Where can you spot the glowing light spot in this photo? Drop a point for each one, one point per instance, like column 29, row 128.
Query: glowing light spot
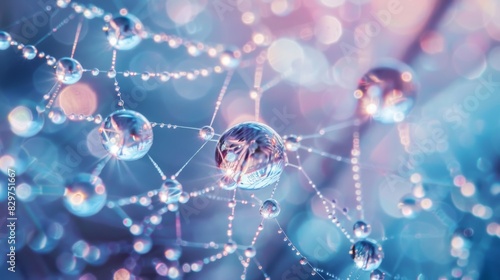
column 418, row 191
column 426, row 203
column 6, row 162
column 121, row 274
column 459, row 180
column 371, row 108
column 258, row 38
column 432, row 43
column 457, row 242
column 280, row 7
column 328, row 30
column 481, row 211
column 248, row 18
column 406, row 76
column 173, row 272
column 468, row 189
column 25, row 121
column 161, row 269
column 78, row 99
column 358, row 94
column 416, row 178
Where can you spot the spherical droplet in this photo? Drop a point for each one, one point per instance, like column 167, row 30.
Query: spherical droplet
column 145, row 76
column 126, row 134
column 250, row 252
column 29, row 52
column 254, row 93
column 230, row 247
column 143, row 244
column 173, row 254
column 85, row 195
column 367, row 254
column 361, row 229
column 377, row 275
column 387, row 94
column 164, row 76
column 5, row 39
column 68, row 70
column 292, row 143
column 95, row 72
column 57, row 116
column 98, row 119
column 251, row 153
column 409, row 206
column 124, row 32
column 207, row 133
column 170, row 191
column 50, row 60
column 230, row 58
column 112, row 73
column 303, row 261
column 184, row 197
column 270, row 209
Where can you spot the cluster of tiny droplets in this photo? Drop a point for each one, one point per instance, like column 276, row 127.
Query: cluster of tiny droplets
column 356, row 152
column 326, row 203
column 148, row 224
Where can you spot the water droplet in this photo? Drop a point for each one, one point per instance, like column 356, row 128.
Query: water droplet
column 292, row 143
column 57, row 116
column 230, row 58
column 170, row 191
column 85, row 195
column 250, row 252
column 252, row 153
column 207, row 133
column 387, row 94
column 126, row 134
column 230, row 247
column 124, row 32
column 270, row 209
column 68, row 70
column 367, row 254
column 143, row 244
column 145, row 76
column 29, row 52
column 184, row 197
column 361, row 229
column 5, row 40
column 164, row 76
column 409, row 206
column 50, row 60
column 462, row 239
column 98, row 119
column 112, row 73
column 173, row 254
column 63, row 3
column 377, row 275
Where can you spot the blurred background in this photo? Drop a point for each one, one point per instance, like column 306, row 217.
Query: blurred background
column 442, row 223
